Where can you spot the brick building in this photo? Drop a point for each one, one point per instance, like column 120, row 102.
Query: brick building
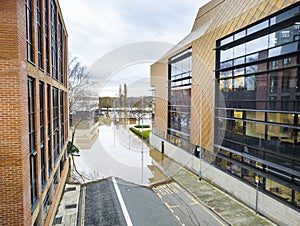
column 33, row 111
column 230, row 93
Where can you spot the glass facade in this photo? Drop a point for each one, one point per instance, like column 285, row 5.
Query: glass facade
column 179, row 105
column 258, row 104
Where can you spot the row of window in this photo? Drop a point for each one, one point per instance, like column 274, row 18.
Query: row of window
column 58, row 133
column 51, row 36
column 257, row 128
column 179, row 117
column 250, row 169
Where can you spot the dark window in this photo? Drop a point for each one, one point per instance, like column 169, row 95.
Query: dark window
column 54, row 39
column 62, row 121
column 60, row 51
column 49, row 130
column 273, row 82
column 286, row 81
column 32, row 142
column 55, row 123
column 39, row 29
column 29, row 33
column 47, row 36
column 42, row 135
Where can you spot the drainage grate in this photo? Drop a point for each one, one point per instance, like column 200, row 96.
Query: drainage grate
column 72, row 206
column 57, row 220
column 71, row 189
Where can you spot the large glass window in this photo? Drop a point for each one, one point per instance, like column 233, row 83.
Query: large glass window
column 32, row 142
column 50, row 147
column 55, row 123
column 29, row 33
column 180, row 98
column 62, row 121
column 42, row 135
column 258, row 82
column 46, row 17
column 39, row 29
column 60, row 51
column 54, row 39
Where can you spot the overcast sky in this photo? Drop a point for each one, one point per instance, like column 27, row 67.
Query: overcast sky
column 96, row 28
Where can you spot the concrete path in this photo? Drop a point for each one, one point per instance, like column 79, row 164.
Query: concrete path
column 229, row 209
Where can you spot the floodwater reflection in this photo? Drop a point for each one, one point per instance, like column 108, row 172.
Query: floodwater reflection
column 118, row 152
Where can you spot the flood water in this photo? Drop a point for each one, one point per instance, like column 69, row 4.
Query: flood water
column 118, row 152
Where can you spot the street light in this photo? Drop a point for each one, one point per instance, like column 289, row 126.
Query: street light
column 256, row 202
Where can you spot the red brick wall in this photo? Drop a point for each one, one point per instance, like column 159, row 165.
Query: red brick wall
column 15, row 201
column 15, row 207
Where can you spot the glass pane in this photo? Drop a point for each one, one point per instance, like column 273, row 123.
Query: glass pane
column 239, row 35
column 239, row 50
column 239, row 71
column 238, row 114
column 292, row 47
column 255, row 130
column 281, row 118
column 257, row 27
column 257, row 44
column 226, row 54
column 226, row 40
column 257, row 116
column 285, row 15
column 239, row 83
column 279, row 190
column 240, row 60
column 250, row 83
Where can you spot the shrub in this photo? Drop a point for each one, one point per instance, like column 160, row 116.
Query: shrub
column 144, row 126
column 144, row 135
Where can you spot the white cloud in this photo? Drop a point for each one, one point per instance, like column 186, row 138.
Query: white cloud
column 97, row 27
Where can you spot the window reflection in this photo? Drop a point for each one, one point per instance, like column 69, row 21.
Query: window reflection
column 259, row 85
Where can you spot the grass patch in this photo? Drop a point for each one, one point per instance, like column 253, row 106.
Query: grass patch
column 144, row 126
column 144, row 135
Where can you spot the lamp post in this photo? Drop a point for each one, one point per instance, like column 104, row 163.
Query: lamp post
column 256, row 200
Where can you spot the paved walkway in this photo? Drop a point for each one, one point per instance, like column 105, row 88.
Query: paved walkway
column 229, row 209
column 68, row 207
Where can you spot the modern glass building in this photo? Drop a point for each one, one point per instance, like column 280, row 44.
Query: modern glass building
column 258, row 104
column 229, row 93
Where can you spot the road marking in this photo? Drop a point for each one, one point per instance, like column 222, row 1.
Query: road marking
column 170, row 207
column 195, row 202
column 122, row 203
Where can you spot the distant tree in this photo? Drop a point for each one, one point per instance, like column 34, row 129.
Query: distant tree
column 79, row 78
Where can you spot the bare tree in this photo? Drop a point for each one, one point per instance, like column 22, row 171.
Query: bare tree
column 79, row 78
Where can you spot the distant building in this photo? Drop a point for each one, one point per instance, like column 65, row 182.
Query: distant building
column 33, row 111
column 230, row 92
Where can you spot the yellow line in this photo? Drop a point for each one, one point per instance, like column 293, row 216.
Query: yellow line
column 170, row 207
column 177, row 185
column 195, row 202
